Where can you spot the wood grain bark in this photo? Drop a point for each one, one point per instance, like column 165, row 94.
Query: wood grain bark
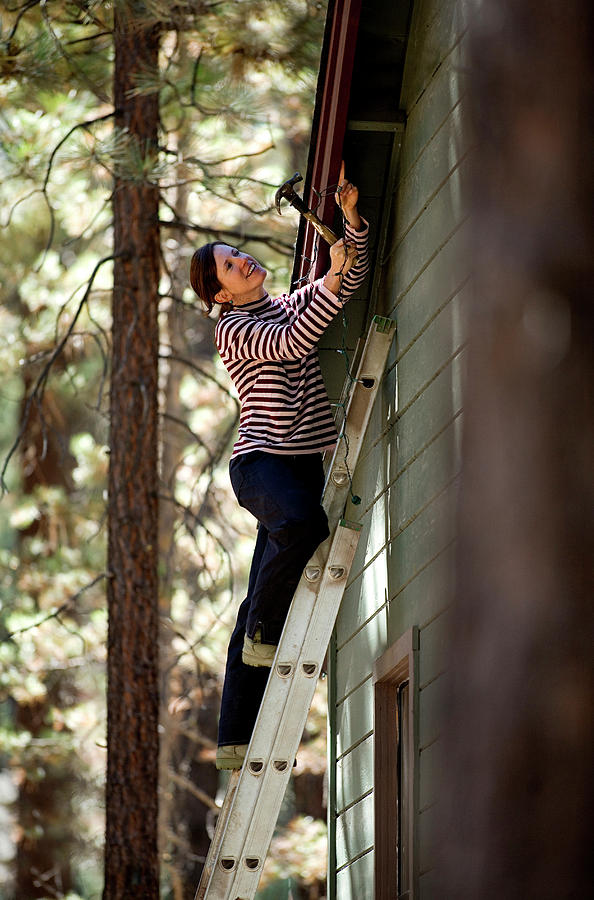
column 131, row 857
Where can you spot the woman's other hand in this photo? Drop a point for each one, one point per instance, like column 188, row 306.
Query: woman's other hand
column 343, row 257
column 347, row 197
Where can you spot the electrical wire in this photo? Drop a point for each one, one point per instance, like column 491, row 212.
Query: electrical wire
column 350, row 378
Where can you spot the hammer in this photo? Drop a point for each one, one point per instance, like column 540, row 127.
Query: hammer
column 287, row 192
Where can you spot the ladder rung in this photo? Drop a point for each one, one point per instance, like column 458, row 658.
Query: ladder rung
column 288, row 702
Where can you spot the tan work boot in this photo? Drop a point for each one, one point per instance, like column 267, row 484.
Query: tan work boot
column 231, row 756
column 255, row 653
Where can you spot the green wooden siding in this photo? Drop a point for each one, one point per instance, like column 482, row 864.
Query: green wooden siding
column 407, row 474
column 362, row 143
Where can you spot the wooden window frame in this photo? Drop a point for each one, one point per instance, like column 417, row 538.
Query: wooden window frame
column 395, row 667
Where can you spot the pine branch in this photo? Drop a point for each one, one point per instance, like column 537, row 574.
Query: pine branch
column 185, row 427
column 194, row 82
column 36, row 394
column 129, row 159
column 223, row 442
column 56, row 613
column 104, row 360
column 168, row 16
column 76, row 70
column 90, row 37
column 16, row 204
column 189, row 517
column 191, row 647
column 44, row 187
column 192, row 735
column 226, row 159
column 205, row 180
column 88, row 15
column 193, row 789
column 242, row 237
column 104, row 367
column 184, row 304
column 35, row 61
column 24, row 8
column 43, row 190
column 175, row 356
column 235, row 200
column 184, row 846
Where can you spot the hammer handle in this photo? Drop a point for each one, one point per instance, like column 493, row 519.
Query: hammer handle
column 319, row 226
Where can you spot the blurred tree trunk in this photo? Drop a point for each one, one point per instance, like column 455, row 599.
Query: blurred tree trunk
column 520, row 735
column 43, row 808
column 131, row 857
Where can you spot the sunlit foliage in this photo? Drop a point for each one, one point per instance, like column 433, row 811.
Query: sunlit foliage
column 236, row 86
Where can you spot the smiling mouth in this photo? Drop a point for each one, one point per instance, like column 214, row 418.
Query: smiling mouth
column 251, row 268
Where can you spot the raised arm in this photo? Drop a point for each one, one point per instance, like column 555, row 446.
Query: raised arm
column 347, row 198
column 241, row 336
column 349, row 261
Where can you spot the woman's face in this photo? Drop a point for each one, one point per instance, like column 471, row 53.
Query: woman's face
column 239, row 275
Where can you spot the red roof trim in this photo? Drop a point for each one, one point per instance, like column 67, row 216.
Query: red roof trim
column 330, row 120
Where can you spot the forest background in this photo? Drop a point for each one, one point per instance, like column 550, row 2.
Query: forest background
column 228, row 89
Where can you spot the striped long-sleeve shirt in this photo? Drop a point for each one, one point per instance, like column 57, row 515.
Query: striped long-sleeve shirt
column 269, row 348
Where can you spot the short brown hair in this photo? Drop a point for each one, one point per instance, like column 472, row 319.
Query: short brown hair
column 203, row 276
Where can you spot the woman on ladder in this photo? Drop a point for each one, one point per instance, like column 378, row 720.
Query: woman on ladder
column 269, row 348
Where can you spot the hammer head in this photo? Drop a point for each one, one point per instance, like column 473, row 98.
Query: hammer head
column 287, row 191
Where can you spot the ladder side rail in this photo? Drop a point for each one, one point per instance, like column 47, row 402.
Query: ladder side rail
column 231, row 816
column 359, row 408
column 358, row 412
column 215, row 844
column 241, row 807
column 242, row 879
column 336, row 491
column 321, row 622
column 245, row 799
column 275, row 698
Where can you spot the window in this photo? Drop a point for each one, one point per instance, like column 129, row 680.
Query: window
column 394, row 775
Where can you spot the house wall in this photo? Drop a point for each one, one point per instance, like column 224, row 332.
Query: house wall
column 407, row 474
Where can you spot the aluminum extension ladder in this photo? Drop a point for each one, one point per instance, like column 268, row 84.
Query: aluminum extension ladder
column 255, row 792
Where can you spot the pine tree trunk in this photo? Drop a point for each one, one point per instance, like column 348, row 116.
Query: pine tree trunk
column 131, row 856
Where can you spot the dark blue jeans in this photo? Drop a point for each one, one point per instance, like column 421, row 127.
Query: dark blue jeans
column 283, row 493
